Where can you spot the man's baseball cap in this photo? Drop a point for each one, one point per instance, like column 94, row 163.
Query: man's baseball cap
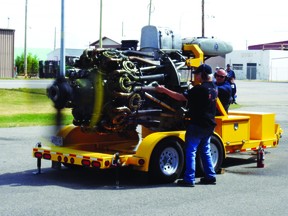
column 203, row 68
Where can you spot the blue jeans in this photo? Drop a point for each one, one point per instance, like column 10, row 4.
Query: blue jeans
column 198, row 137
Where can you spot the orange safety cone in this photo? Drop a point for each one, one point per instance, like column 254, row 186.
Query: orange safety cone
column 260, row 157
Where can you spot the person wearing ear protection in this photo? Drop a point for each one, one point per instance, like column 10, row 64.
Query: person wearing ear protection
column 224, row 88
column 201, row 105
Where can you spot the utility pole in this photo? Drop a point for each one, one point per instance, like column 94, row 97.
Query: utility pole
column 203, row 18
column 100, row 31
column 55, row 38
column 149, row 19
column 25, row 41
column 62, row 48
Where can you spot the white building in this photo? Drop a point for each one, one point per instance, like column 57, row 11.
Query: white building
column 261, row 62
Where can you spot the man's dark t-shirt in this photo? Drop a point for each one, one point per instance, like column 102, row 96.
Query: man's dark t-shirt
column 202, row 105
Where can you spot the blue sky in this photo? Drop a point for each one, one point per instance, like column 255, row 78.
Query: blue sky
column 240, row 22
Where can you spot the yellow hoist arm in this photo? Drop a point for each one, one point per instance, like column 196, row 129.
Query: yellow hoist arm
column 198, row 55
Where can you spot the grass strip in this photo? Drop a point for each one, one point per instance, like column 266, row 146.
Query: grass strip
column 28, row 119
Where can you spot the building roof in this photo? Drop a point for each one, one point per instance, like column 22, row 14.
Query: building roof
column 5, row 30
column 55, row 54
column 281, row 45
column 106, row 43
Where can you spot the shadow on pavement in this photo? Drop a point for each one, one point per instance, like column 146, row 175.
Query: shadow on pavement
column 80, row 179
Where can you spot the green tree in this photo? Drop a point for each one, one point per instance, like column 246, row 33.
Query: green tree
column 32, row 64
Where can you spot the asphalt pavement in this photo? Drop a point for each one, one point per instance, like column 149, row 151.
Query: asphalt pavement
column 243, row 189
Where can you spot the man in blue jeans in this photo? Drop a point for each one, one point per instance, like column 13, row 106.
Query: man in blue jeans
column 201, row 123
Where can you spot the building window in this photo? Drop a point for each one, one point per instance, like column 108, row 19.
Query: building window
column 238, row 67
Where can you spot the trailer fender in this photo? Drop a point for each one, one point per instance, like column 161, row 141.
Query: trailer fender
column 148, row 144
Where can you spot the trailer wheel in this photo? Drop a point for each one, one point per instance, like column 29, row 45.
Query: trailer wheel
column 167, row 161
column 217, row 154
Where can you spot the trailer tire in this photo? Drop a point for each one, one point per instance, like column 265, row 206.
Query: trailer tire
column 217, row 153
column 167, row 161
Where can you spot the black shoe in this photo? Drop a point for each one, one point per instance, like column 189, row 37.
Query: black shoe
column 208, row 180
column 185, row 184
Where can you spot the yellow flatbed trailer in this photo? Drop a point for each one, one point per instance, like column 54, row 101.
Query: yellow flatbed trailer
column 160, row 154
